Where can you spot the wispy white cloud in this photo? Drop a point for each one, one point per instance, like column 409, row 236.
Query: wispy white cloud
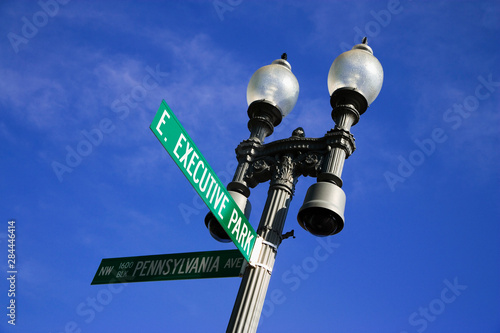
column 32, row 99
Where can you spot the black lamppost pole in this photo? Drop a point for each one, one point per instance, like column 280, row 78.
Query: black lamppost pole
column 354, row 81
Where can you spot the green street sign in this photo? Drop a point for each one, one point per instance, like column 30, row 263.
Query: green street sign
column 167, row 128
column 177, row 266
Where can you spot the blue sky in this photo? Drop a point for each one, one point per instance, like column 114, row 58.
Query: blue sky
column 420, row 251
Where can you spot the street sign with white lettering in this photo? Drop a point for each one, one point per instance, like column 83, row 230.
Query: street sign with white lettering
column 177, row 266
column 188, row 158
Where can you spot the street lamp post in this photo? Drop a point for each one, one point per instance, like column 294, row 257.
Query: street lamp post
column 354, row 81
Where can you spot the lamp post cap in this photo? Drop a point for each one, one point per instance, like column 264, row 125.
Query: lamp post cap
column 363, row 46
column 283, row 62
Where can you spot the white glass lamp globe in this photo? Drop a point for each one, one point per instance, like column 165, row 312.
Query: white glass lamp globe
column 357, row 70
column 276, row 85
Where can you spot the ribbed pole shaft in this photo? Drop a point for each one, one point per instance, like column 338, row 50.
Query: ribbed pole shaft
column 344, row 116
column 251, row 295
column 334, row 163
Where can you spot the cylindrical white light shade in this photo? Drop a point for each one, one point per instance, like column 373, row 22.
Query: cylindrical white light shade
column 275, row 84
column 359, row 70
